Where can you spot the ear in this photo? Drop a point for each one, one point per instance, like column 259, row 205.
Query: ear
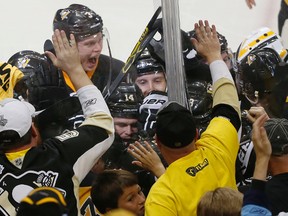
column 34, row 130
column 36, row 134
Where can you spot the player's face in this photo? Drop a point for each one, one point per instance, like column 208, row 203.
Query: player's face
column 89, row 50
column 151, row 82
column 125, row 127
column 132, row 200
column 227, row 59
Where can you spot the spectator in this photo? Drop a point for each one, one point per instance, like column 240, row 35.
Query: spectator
column 197, row 166
column 255, row 202
column 277, row 186
column 221, row 201
column 114, row 189
column 270, row 147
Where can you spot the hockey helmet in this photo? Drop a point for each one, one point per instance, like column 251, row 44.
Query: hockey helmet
column 125, row 101
column 43, row 81
column 200, row 100
column 256, row 73
column 148, row 65
column 222, row 39
column 79, row 20
column 261, row 38
column 26, row 61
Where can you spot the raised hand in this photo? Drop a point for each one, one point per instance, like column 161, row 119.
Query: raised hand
column 147, row 158
column 262, row 147
column 206, row 42
column 67, row 58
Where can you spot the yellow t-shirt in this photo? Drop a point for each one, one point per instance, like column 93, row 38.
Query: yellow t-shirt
column 211, row 165
column 9, row 76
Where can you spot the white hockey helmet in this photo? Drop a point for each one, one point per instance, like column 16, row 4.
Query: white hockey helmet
column 261, row 38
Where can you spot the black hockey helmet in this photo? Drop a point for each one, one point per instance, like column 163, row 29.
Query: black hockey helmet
column 200, row 100
column 44, row 82
column 79, row 20
column 125, row 101
column 147, row 65
column 26, row 61
column 256, row 73
column 222, row 39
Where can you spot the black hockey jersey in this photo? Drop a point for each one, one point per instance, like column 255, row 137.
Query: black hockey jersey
column 61, row 162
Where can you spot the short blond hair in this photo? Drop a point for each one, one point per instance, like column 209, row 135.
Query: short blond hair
column 221, row 201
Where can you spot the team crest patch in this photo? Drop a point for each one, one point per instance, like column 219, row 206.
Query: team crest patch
column 68, row 135
column 195, row 169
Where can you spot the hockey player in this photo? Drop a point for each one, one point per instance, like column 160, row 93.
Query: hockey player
column 262, row 81
column 151, row 79
column 87, row 26
column 61, row 162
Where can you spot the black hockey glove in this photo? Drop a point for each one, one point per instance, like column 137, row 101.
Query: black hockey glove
column 149, row 108
column 46, row 86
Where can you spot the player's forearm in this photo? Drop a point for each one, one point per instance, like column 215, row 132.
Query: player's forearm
column 95, row 108
column 224, row 89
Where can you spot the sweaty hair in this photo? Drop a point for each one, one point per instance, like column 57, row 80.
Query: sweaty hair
column 10, row 139
column 108, row 187
column 221, row 201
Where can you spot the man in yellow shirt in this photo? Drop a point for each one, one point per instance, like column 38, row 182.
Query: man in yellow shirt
column 197, row 166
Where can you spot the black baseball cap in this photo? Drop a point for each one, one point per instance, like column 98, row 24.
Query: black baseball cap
column 175, row 126
column 277, row 131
